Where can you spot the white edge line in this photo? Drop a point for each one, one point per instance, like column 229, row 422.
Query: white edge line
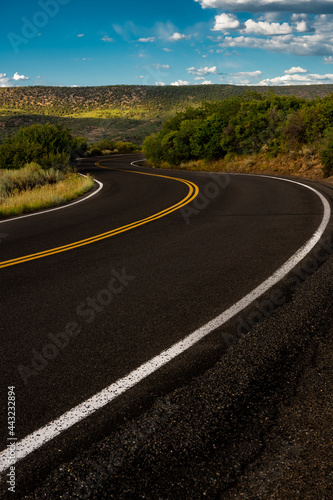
column 57, row 208
column 45, row 434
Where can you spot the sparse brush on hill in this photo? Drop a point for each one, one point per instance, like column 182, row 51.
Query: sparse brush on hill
column 123, row 112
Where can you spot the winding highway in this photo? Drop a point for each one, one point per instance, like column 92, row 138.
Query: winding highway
column 94, row 292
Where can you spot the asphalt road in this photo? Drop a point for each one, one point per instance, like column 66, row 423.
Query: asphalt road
column 167, row 278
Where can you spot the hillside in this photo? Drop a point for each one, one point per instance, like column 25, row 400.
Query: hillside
column 121, row 112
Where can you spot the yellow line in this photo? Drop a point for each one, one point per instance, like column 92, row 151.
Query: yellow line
column 193, row 192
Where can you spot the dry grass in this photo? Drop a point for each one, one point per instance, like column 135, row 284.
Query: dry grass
column 29, row 177
column 46, row 196
column 305, row 164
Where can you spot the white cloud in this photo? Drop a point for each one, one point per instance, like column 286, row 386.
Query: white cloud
column 167, row 50
column 328, row 60
column 242, row 78
column 179, row 36
column 141, row 76
column 207, row 82
column 80, row 35
column 229, row 22
column 247, row 74
column 299, row 79
column 198, row 78
column 302, row 27
column 107, row 39
column 265, row 28
column 160, row 66
column 150, row 39
column 180, row 83
column 225, row 22
column 294, row 70
column 203, row 71
column 295, row 6
column 316, row 44
column 160, row 84
column 17, row 77
column 6, row 81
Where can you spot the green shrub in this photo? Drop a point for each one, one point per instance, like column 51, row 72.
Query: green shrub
column 241, row 125
column 326, row 155
column 48, row 145
column 96, row 152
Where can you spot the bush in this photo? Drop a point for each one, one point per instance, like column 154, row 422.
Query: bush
column 51, row 146
column 96, row 152
column 327, row 154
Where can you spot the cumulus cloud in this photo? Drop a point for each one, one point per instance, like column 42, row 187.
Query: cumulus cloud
column 225, row 22
column 294, row 70
column 299, row 79
column 179, row 36
column 206, row 82
column 203, row 71
column 7, row 81
column 229, row 22
column 306, row 45
column 266, row 28
column 328, row 60
column 16, row 77
column 160, row 84
column 295, row 6
column 180, row 83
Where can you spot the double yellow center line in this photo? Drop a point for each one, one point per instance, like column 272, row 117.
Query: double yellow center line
column 192, row 193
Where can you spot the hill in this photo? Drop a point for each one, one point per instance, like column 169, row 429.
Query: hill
column 120, row 112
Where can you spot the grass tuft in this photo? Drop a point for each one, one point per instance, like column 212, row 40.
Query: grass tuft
column 48, row 195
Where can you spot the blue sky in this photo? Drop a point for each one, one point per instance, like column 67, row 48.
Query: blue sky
column 173, row 42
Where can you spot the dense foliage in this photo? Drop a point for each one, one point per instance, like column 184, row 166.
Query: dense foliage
column 245, row 125
column 108, row 147
column 51, row 146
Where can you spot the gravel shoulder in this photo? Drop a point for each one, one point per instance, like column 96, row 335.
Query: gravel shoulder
column 298, row 450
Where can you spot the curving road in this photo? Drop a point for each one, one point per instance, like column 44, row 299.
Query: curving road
column 91, row 292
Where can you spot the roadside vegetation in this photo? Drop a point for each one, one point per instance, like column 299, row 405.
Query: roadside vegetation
column 108, row 147
column 249, row 126
column 47, row 195
column 37, row 169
